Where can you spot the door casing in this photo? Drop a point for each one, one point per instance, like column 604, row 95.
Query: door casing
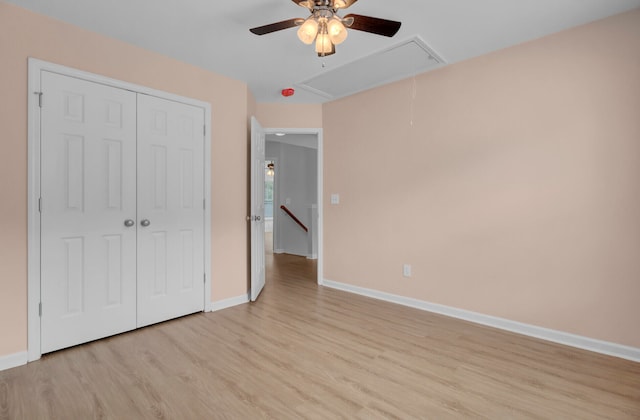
column 33, row 195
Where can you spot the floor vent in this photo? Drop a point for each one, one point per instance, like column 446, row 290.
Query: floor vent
column 400, row 61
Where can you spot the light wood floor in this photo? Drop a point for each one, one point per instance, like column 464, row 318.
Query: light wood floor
column 307, row 352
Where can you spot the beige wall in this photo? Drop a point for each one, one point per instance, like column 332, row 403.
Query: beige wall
column 24, row 34
column 511, row 183
column 289, row 115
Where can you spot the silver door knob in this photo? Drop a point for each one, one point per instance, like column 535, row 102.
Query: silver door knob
column 145, row 222
column 129, row 223
column 258, row 218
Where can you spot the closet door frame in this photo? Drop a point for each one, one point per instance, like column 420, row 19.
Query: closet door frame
column 37, row 66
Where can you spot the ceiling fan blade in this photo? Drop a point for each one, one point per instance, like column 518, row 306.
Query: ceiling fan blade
column 374, row 25
column 305, row 3
column 278, row 26
column 342, row 4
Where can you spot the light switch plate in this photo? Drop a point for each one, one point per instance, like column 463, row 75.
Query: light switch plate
column 406, row 270
column 335, row 198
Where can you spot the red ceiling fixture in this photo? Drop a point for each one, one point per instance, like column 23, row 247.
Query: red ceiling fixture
column 288, row 92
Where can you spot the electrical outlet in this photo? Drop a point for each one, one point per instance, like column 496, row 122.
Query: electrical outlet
column 335, row 198
column 406, row 270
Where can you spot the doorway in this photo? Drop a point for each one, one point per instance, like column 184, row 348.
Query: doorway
column 297, row 228
column 257, row 185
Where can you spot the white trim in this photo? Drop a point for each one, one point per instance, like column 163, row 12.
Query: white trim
column 33, row 217
column 207, row 208
column 228, row 303
column 13, row 360
column 320, row 232
column 581, row 342
column 319, row 133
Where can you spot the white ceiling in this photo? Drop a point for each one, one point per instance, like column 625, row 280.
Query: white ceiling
column 215, row 34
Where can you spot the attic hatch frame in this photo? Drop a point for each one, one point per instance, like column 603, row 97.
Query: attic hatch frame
column 351, row 78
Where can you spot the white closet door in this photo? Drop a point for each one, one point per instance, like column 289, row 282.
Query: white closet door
column 257, row 209
column 88, row 255
column 170, row 209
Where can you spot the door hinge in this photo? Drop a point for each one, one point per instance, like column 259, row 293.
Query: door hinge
column 40, row 205
column 204, row 204
column 205, row 278
column 204, row 130
column 39, row 98
column 40, row 309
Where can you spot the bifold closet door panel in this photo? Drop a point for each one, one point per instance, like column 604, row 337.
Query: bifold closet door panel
column 170, row 209
column 88, row 192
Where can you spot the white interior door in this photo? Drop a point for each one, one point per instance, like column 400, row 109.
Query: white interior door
column 170, row 209
column 88, row 254
column 257, row 208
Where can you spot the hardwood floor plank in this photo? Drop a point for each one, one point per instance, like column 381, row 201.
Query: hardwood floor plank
column 306, row 352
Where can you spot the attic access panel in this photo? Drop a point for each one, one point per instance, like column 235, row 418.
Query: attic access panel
column 400, row 61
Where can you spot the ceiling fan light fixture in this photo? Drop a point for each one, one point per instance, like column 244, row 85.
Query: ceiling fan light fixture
column 324, row 46
column 326, row 27
column 308, row 30
column 337, row 31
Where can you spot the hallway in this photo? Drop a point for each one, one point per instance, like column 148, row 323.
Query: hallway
column 282, row 266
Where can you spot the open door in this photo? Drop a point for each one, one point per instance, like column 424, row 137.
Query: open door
column 257, row 208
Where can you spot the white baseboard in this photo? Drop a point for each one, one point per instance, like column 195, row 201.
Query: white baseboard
column 585, row 343
column 278, row 251
column 312, row 256
column 228, row 303
column 13, row 360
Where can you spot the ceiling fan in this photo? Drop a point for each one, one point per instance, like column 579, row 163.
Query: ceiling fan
column 326, row 28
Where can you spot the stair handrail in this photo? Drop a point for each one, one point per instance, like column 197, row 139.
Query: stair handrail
column 293, row 216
